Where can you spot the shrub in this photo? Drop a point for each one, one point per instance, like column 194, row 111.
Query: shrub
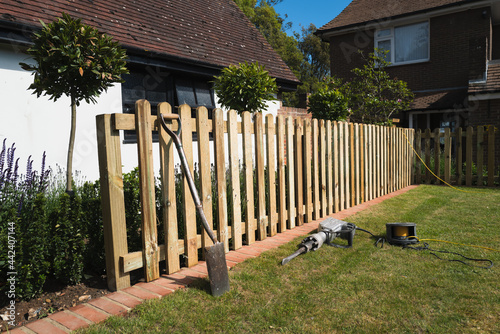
column 246, row 87
column 329, row 102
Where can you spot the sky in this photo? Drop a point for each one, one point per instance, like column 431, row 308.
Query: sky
column 304, row 12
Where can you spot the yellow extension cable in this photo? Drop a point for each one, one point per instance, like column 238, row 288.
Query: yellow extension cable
column 437, row 177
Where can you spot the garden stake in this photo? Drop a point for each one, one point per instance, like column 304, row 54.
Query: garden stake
column 215, row 255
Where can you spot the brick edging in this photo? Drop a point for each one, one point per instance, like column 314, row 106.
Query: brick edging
column 120, row 302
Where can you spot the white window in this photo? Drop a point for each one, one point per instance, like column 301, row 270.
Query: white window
column 405, row 44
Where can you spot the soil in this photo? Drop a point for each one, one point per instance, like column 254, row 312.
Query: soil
column 56, row 298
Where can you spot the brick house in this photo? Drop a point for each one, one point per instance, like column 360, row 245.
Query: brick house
column 448, row 51
column 174, row 47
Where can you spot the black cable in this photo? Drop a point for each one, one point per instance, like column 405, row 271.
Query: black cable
column 426, row 247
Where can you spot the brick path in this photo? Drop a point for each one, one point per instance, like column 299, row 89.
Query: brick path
column 120, row 302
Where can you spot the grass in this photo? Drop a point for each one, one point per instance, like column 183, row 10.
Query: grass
column 359, row 290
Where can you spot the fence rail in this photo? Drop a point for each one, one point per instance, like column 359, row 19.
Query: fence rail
column 460, row 157
column 304, row 170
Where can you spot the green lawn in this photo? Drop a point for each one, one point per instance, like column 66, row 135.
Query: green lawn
column 359, row 290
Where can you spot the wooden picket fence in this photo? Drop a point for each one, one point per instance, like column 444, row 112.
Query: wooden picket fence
column 458, row 158
column 314, row 168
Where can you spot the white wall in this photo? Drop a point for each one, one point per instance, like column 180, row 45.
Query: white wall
column 36, row 124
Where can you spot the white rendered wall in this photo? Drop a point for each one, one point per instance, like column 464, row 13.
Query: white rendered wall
column 36, row 124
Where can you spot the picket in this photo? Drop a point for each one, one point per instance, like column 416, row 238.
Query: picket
column 234, row 169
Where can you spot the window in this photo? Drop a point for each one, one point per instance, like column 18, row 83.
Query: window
column 405, row 44
column 158, row 85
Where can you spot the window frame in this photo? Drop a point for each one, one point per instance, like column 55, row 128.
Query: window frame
column 391, row 37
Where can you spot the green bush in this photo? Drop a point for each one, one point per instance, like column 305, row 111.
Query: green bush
column 329, row 102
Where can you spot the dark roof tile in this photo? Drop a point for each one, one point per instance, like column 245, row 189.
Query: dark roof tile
column 364, row 11
column 492, row 84
column 203, row 31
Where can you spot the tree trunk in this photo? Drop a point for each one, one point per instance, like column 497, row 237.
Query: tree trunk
column 69, row 163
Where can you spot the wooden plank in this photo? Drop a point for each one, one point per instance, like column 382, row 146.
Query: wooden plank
column 341, row 167
column 379, row 161
column 447, row 155
column 188, row 209
column 491, row 155
column 147, row 190
column 271, row 173
column 168, row 201
column 384, row 153
column 418, row 163
column 357, row 180
column 234, row 168
column 352, row 156
column 459, row 140
column 307, row 169
column 329, row 168
column 112, row 201
column 220, row 174
column 480, row 154
column 427, row 155
column 203, row 133
column 370, row 161
column 315, row 170
column 362, row 146
column 322, row 167
column 299, row 175
column 290, row 178
column 437, row 155
column 248, row 165
column 347, row 164
column 282, row 212
column 468, row 156
column 335, row 163
column 261, row 188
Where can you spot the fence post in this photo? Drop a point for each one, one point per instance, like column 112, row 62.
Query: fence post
column 447, row 155
column 322, row 167
column 329, row 167
column 147, row 190
column 112, row 201
column 315, row 170
column 459, row 135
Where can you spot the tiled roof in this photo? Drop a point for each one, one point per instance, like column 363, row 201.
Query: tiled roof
column 207, row 32
column 364, row 11
column 492, row 84
column 439, row 100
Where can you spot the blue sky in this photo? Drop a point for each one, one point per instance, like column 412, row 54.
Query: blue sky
column 305, row 12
